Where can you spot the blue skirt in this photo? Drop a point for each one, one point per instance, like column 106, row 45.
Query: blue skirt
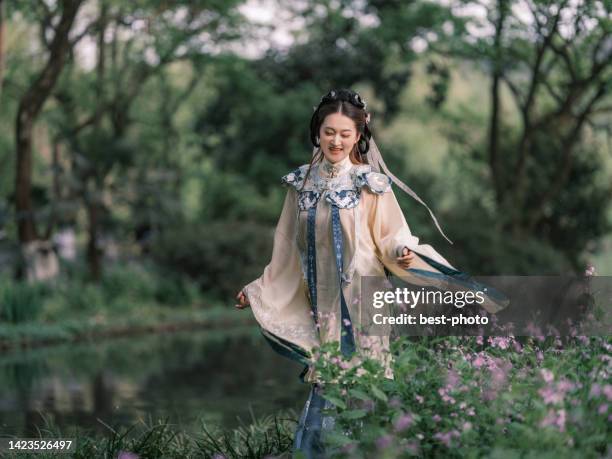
column 312, row 425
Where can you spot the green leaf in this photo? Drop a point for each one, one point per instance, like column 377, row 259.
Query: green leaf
column 359, row 394
column 354, row 414
column 336, row 401
column 379, row 393
column 337, row 439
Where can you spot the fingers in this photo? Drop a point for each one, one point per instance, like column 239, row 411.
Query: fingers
column 243, row 301
column 406, row 259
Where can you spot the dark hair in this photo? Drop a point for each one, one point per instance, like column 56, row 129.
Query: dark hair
column 349, row 103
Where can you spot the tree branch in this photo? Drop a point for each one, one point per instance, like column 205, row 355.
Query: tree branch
column 565, row 162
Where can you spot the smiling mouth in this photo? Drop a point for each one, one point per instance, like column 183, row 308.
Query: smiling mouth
column 336, row 149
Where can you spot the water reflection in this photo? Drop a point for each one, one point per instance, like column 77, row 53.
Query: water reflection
column 184, row 377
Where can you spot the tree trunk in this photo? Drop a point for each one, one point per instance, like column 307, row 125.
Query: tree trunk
column 94, row 253
column 1, row 45
column 30, row 105
column 496, row 175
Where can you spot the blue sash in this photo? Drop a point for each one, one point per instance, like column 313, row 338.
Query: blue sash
column 347, row 339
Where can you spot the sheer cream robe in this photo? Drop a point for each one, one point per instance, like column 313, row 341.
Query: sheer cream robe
column 280, row 298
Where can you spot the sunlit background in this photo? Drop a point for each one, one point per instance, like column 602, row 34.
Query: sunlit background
column 142, row 145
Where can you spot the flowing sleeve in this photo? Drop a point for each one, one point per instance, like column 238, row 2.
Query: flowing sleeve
column 391, row 234
column 279, row 297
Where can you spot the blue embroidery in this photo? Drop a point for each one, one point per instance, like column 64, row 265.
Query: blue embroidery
column 343, row 192
column 308, row 199
column 347, row 339
column 295, row 178
column 312, row 261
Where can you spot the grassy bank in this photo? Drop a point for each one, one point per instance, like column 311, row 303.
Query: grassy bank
column 144, row 319
column 266, row 437
column 130, row 299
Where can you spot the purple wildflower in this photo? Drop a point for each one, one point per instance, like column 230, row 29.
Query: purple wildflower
column 384, row 442
column 607, row 390
column 404, row 422
column 127, row 455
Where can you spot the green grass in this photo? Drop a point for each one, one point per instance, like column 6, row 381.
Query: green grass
column 129, row 299
column 267, row 437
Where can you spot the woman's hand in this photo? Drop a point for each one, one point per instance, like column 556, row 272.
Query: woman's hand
column 243, row 301
column 406, row 259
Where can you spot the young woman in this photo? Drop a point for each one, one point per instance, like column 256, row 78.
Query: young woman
column 340, row 221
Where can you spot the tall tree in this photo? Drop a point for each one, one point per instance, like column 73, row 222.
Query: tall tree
column 1, row 45
column 98, row 131
column 30, row 105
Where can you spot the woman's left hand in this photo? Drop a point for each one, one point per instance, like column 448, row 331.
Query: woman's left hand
column 406, row 259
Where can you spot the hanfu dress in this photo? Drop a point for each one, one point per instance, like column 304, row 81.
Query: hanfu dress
column 340, row 222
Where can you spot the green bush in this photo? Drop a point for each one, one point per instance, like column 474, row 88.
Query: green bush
column 174, row 289
column 128, row 281
column 472, row 397
column 221, row 256
column 20, row 301
column 80, row 297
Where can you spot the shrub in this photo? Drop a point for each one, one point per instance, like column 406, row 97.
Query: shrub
column 472, row 397
column 221, row 256
column 20, row 301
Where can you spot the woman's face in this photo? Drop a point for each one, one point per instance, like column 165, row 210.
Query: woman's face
column 338, row 135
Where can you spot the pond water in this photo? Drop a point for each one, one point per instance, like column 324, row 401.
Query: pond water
column 221, row 377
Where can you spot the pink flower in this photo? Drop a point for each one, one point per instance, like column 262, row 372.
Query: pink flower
column 403, row 422
column 436, row 418
column 501, row 342
column 445, row 397
column 467, row 425
column 555, row 419
column 556, row 392
column 452, row 378
column 419, row 398
column 603, row 408
column 128, row 455
column 478, row 361
column 607, row 390
column 446, row 437
column 547, row 375
column 550, row 396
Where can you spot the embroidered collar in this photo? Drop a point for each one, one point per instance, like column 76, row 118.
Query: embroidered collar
column 343, row 191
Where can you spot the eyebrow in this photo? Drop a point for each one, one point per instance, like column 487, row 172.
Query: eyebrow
column 343, row 130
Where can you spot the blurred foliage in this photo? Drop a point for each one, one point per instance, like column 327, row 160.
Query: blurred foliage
column 179, row 142
column 221, row 256
column 21, row 302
